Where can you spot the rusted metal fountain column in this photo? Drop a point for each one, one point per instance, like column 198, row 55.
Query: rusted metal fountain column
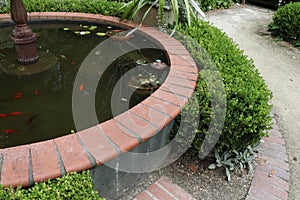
column 22, row 36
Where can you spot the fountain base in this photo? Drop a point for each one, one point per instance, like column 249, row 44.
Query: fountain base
column 46, row 61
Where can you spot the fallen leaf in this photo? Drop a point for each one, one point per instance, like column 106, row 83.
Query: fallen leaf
column 193, row 168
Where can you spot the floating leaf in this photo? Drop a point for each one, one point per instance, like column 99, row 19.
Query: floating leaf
column 87, row 32
column 85, row 26
column 141, row 62
column 92, row 28
column 100, row 34
column 77, row 32
column 66, row 29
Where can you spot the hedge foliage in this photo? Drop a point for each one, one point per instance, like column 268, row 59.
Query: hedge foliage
column 71, row 186
column 286, row 23
column 248, row 109
column 207, row 5
column 88, row 6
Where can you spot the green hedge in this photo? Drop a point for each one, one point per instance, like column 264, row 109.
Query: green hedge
column 71, row 186
column 286, row 23
column 88, row 6
column 207, row 5
column 248, row 109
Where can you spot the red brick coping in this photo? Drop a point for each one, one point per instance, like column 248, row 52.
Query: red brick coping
column 24, row 165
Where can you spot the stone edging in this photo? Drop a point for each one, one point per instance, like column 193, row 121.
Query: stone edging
column 271, row 176
column 24, row 165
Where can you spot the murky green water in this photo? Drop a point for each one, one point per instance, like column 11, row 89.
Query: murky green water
column 39, row 107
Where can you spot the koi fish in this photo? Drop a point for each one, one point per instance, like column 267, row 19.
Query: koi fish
column 17, row 96
column 3, row 115
column 10, row 131
column 14, row 113
column 36, row 92
column 81, row 87
column 30, row 120
column 72, row 62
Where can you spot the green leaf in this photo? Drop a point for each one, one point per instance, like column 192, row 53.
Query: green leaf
column 212, row 166
column 228, row 174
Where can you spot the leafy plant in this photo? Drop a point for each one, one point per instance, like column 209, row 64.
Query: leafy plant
column 95, row 6
column 71, row 186
column 3, row 4
column 286, row 23
column 207, row 5
column 235, row 161
column 190, row 9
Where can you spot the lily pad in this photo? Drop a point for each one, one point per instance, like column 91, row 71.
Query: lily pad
column 141, row 62
column 100, row 34
column 77, row 32
column 66, row 29
column 92, row 28
column 85, row 26
column 87, row 32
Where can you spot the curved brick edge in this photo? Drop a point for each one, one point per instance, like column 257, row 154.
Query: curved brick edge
column 271, row 175
column 24, row 165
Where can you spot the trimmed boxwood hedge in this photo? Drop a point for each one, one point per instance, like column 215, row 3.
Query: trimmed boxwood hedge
column 207, row 5
column 71, row 186
column 87, row 6
column 248, row 108
column 286, row 23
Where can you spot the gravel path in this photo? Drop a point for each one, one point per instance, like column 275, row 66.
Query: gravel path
column 279, row 64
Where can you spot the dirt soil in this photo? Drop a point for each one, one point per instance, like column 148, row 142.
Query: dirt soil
column 279, row 64
column 194, row 177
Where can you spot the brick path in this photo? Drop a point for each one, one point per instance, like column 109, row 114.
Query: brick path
column 164, row 189
column 271, row 175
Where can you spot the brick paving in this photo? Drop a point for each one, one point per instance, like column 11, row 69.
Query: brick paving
column 271, row 175
column 164, row 189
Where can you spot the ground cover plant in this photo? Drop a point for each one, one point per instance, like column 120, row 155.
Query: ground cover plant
column 286, row 23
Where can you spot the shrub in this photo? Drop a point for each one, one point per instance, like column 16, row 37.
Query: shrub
column 248, row 109
column 207, row 5
column 71, row 186
column 95, row 6
column 286, row 23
